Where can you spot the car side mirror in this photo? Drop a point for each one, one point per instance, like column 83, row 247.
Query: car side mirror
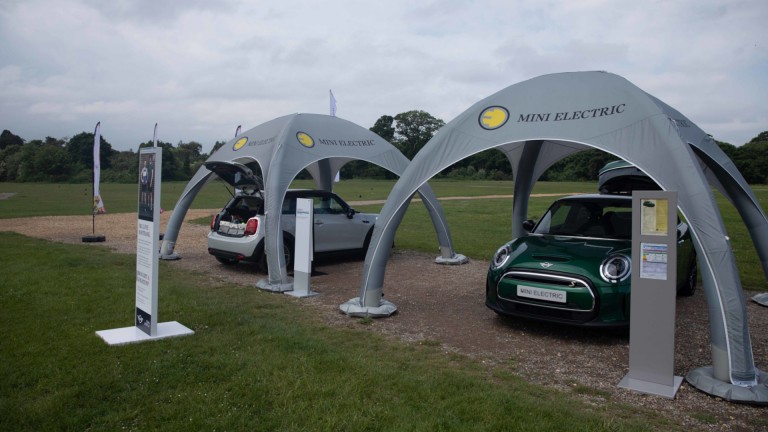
column 351, row 213
column 528, row 225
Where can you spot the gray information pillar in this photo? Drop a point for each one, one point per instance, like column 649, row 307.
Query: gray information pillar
column 652, row 310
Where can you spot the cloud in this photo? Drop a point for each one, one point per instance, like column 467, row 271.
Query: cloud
column 201, row 67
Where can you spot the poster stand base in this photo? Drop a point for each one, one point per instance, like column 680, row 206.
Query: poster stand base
column 301, row 294
column 94, row 238
column 129, row 335
column 301, row 287
column 648, row 387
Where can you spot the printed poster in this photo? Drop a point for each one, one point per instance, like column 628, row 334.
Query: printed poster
column 653, row 261
column 653, row 217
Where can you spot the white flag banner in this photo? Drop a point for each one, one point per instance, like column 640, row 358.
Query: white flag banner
column 98, row 204
column 333, row 104
column 237, row 131
column 154, row 137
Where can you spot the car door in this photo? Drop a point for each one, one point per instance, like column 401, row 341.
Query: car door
column 334, row 230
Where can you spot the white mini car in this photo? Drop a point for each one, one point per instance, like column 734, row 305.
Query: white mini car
column 237, row 232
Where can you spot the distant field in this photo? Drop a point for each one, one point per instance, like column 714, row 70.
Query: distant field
column 43, row 199
column 478, row 226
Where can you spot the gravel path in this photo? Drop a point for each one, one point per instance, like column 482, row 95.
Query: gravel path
column 444, row 305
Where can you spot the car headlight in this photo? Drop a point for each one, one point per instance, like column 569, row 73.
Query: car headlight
column 615, row 268
column 500, row 257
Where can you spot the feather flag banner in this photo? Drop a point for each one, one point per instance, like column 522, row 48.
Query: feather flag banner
column 333, row 104
column 98, row 204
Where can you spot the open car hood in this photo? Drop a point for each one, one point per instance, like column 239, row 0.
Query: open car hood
column 621, row 177
column 236, row 174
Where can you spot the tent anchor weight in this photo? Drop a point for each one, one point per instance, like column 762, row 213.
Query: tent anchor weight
column 355, row 308
column 95, row 238
column 703, row 379
column 266, row 285
column 456, row 259
column 761, row 299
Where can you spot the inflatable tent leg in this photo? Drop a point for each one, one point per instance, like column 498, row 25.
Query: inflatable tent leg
column 370, row 302
column 177, row 217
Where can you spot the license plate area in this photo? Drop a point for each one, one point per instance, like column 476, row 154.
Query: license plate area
column 542, row 294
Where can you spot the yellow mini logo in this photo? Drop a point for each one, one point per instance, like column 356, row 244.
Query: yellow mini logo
column 305, row 140
column 240, row 143
column 493, row 117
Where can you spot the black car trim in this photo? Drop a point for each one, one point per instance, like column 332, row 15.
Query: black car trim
column 257, row 253
column 547, row 278
column 589, row 322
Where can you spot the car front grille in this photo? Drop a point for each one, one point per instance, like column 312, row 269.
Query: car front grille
column 562, row 311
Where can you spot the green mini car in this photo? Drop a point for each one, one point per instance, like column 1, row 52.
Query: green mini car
column 574, row 266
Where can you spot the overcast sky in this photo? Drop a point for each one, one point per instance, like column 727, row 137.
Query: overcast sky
column 199, row 68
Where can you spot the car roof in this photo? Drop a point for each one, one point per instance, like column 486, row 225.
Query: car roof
column 596, row 197
column 308, row 192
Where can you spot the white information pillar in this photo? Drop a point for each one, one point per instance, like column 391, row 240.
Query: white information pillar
column 147, row 240
column 654, row 289
column 146, row 326
column 303, row 251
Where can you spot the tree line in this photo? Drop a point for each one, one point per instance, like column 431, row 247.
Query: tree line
column 71, row 160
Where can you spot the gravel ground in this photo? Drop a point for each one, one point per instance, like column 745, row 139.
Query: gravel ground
column 444, row 305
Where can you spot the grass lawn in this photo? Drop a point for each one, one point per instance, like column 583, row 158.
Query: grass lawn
column 257, row 362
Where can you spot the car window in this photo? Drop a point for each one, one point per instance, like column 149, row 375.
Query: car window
column 327, row 205
column 289, row 205
column 322, row 204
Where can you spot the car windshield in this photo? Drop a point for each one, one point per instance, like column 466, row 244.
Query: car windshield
column 603, row 218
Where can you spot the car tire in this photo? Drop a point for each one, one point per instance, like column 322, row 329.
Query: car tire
column 689, row 287
column 261, row 264
column 226, row 261
column 367, row 241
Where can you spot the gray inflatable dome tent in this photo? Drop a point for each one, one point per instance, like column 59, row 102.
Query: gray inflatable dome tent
column 283, row 147
column 538, row 122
